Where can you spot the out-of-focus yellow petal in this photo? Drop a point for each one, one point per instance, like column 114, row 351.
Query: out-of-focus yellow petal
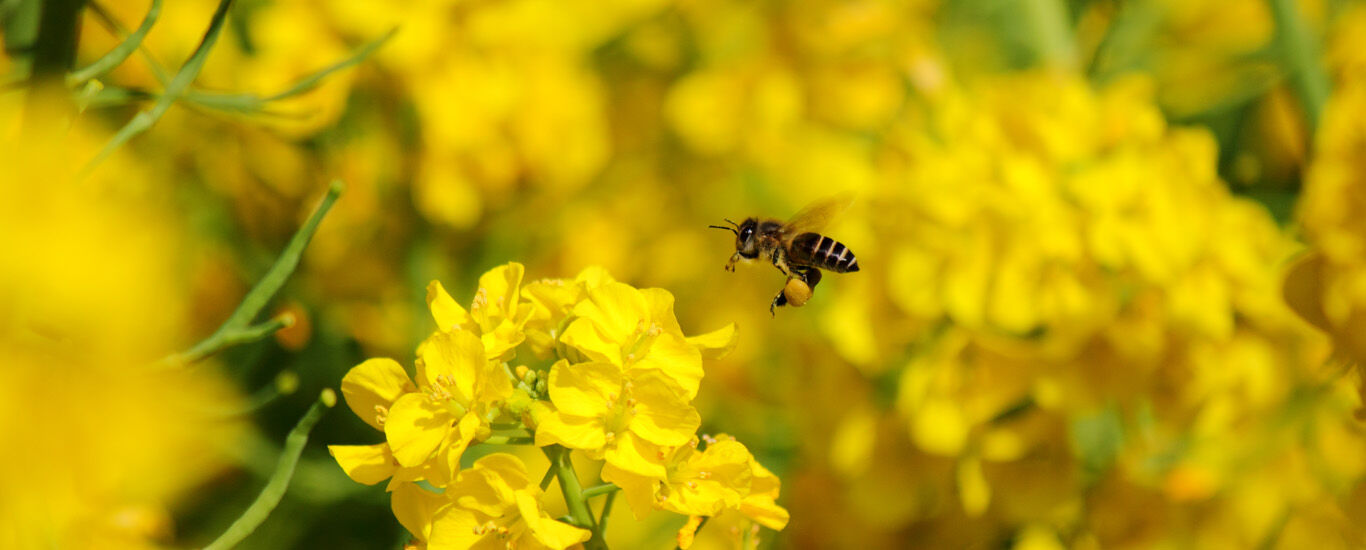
column 575, row 432
column 973, row 490
column 415, row 427
column 452, row 361
column 717, row 343
column 445, row 310
column 372, row 385
column 365, row 464
column 583, row 389
column 1303, row 290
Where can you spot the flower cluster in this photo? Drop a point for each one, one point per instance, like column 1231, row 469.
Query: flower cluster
column 620, row 390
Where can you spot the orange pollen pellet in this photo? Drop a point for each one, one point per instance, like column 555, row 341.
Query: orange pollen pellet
column 660, row 455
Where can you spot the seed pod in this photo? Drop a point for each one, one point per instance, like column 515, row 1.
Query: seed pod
column 796, row 292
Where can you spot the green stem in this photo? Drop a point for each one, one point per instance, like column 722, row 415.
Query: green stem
column 606, row 512
column 508, row 440
column 279, row 481
column 573, row 494
column 1050, row 32
column 549, row 476
column 54, row 49
column 238, row 328
column 116, row 56
column 1304, row 58
column 599, row 490
column 174, row 89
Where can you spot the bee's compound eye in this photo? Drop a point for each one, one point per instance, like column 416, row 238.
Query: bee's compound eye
column 746, row 232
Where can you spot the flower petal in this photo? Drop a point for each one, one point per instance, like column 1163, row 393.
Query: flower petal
column 375, row 383
column 583, row 334
column 660, row 302
column 662, row 416
column 453, row 528
column 447, row 313
column 616, row 308
column 458, row 355
column 509, row 469
column 500, row 289
column 674, row 357
column 575, row 432
column 688, row 532
column 551, row 533
column 1303, row 290
column 365, row 464
column 414, row 507
column 583, row 389
column 457, row 440
column 639, row 490
column 635, row 455
column 717, row 343
column 415, row 428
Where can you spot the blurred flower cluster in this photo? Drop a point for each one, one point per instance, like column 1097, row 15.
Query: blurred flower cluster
column 619, row 390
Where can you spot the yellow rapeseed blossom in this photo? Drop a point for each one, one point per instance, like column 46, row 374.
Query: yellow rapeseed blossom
column 616, row 392
column 497, row 312
column 427, row 425
column 623, row 418
column 492, row 504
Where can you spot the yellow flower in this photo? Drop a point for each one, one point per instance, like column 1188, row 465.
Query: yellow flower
column 622, row 418
column 637, row 331
column 552, row 303
column 494, row 505
column 497, row 313
column 427, row 426
column 694, row 483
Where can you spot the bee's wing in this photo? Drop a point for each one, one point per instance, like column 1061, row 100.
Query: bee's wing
column 817, row 214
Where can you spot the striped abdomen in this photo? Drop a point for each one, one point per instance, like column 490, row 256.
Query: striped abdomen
column 824, row 252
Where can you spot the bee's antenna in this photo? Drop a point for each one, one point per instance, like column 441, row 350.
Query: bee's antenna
column 737, row 226
column 731, row 229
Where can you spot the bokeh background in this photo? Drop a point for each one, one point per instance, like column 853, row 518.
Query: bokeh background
column 1073, row 328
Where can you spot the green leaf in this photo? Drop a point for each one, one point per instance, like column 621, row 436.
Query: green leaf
column 248, row 103
column 116, row 56
column 178, row 85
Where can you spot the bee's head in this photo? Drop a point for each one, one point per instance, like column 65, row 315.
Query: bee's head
column 745, row 242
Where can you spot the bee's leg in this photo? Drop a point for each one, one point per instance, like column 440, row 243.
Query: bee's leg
column 730, row 266
column 780, row 261
column 812, row 276
column 778, row 301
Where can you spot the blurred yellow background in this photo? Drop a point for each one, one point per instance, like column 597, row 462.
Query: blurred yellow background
column 1073, row 325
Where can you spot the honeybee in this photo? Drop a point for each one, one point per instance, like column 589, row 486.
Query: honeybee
column 795, row 248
